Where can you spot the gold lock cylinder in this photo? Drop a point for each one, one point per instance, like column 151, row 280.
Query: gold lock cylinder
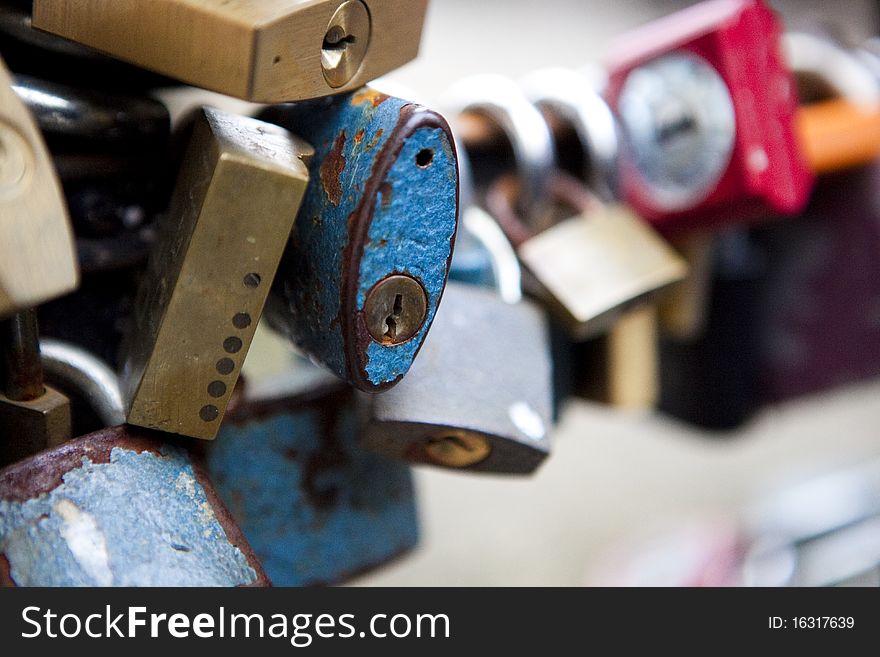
column 239, row 189
column 260, row 50
column 37, row 255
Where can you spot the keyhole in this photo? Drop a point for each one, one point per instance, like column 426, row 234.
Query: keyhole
column 391, row 320
column 337, row 39
column 458, row 443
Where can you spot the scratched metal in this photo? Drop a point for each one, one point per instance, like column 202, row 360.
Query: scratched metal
column 118, row 516
column 315, row 507
column 383, row 199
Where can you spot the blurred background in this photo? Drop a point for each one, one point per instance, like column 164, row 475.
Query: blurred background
column 638, row 498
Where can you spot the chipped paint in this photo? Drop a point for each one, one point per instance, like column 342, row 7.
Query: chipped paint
column 393, row 216
column 140, row 519
column 315, row 507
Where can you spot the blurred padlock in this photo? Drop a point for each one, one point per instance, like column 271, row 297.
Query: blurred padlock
column 364, row 271
column 266, row 51
column 781, row 311
column 121, row 507
column 316, row 507
column 587, row 267
column 240, row 186
column 707, row 108
column 38, row 261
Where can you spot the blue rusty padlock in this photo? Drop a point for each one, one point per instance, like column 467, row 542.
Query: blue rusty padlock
column 370, row 251
column 316, row 508
column 120, row 507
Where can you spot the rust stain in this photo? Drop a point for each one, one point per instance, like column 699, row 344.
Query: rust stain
column 375, row 140
column 385, row 191
column 367, row 95
column 331, row 170
column 359, row 136
column 6, row 580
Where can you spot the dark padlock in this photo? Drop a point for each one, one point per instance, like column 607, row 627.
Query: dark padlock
column 817, row 311
column 316, row 507
column 363, row 273
column 480, row 396
column 120, row 507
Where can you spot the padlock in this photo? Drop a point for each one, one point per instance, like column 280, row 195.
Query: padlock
column 266, row 51
column 479, row 397
column 38, row 262
column 707, row 109
column 364, row 271
column 33, row 416
column 787, row 311
column 120, row 507
column 817, row 326
column 209, row 275
column 316, row 507
column 585, row 268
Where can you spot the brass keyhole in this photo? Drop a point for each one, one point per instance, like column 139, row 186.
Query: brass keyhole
column 458, row 450
column 345, row 43
column 393, row 318
column 337, row 39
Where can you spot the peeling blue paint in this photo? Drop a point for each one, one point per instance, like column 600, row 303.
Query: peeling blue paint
column 140, row 520
column 314, row 506
column 414, row 212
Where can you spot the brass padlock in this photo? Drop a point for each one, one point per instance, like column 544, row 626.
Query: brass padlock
column 590, row 267
column 238, row 193
column 261, row 50
column 37, row 255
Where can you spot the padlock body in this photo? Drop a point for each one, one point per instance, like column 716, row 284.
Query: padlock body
column 483, row 378
column 382, row 202
column 707, row 109
column 592, row 266
column 202, row 296
column 316, row 507
column 120, row 507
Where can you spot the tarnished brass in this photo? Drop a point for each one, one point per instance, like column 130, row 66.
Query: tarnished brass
column 396, row 309
column 239, row 189
column 27, row 427
column 683, row 309
column 260, row 50
column 345, row 43
column 594, row 264
column 458, row 449
column 37, row 255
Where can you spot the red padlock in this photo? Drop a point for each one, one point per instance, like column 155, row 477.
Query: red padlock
column 707, row 109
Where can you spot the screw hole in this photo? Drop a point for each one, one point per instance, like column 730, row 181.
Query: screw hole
column 232, row 345
column 241, row 320
column 277, row 59
column 225, row 366
column 209, row 413
column 424, row 158
column 252, row 280
column 216, row 389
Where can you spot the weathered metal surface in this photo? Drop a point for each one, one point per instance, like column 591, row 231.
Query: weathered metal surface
column 483, row 378
column 382, row 200
column 316, row 508
column 118, row 508
column 202, row 296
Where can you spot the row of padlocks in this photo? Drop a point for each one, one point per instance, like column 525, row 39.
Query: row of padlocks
column 667, row 235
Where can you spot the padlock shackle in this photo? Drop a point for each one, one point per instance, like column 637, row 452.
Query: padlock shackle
column 502, row 103
column 78, row 371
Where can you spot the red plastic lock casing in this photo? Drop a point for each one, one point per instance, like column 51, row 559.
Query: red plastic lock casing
column 767, row 173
